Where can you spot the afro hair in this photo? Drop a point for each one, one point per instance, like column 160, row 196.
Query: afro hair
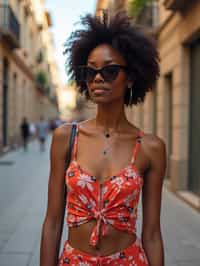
column 136, row 47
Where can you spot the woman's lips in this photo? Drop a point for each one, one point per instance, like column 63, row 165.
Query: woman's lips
column 100, row 91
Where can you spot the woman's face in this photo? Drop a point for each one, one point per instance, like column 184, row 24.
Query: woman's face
column 101, row 89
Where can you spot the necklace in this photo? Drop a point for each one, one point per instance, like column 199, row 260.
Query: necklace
column 108, row 139
column 108, row 143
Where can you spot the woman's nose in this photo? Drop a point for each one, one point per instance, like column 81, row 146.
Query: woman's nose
column 98, row 78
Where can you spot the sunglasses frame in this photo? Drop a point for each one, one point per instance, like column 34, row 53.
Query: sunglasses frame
column 99, row 70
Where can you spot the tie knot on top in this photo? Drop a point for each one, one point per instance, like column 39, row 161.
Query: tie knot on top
column 98, row 215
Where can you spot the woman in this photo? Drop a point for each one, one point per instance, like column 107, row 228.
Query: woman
column 114, row 64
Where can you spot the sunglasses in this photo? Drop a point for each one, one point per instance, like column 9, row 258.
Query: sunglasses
column 109, row 73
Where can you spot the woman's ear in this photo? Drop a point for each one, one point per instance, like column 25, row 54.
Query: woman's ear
column 130, row 81
column 130, row 84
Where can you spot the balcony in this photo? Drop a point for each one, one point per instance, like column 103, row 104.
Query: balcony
column 177, row 5
column 9, row 27
column 42, row 83
column 148, row 16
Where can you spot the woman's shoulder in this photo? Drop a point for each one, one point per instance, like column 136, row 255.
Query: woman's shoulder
column 153, row 145
column 152, row 141
column 63, row 130
column 61, row 134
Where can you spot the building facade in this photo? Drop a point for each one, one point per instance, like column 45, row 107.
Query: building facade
column 172, row 110
column 28, row 70
column 178, row 105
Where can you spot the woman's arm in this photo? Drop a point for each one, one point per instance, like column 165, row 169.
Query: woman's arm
column 151, row 200
column 52, row 226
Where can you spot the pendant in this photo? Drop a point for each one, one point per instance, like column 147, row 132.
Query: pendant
column 107, row 135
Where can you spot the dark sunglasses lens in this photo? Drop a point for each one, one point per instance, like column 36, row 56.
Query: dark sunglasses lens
column 86, row 74
column 110, row 72
column 90, row 74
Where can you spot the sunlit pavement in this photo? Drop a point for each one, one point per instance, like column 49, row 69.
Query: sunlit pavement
column 23, row 195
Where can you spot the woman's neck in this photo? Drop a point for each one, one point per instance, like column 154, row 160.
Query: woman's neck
column 110, row 117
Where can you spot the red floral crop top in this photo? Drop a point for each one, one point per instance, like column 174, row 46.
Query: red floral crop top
column 114, row 202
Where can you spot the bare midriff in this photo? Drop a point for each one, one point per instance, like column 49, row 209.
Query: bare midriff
column 114, row 241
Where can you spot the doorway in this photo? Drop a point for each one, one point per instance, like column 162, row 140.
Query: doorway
column 5, row 102
column 194, row 129
column 168, row 119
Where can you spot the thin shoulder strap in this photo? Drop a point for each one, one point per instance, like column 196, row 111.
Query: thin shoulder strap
column 69, row 155
column 75, row 142
column 137, row 146
column 71, row 143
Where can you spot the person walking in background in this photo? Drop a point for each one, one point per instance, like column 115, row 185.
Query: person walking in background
column 54, row 123
column 25, row 133
column 42, row 130
column 32, row 129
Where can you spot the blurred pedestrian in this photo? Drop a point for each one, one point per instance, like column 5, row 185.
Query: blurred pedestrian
column 58, row 122
column 25, row 133
column 42, row 130
column 32, row 129
column 52, row 125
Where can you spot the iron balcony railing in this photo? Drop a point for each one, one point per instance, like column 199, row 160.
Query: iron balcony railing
column 9, row 24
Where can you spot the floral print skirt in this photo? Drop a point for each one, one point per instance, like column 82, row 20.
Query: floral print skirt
column 133, row 255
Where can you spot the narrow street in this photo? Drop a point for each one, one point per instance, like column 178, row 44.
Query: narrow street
column 23, row 195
